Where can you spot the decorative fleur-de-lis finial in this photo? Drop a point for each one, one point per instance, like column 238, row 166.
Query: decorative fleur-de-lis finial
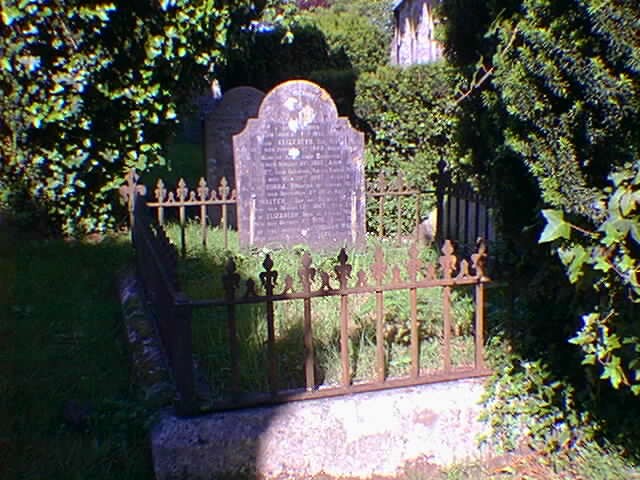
column 479, row 258
column 223, row 189
column 230, row 279
column 448, row 259
column 131, row 186
column 182, row 191
column 250, row 288
column 361, row 281
column 268, row 263
column 396, row 274
column 379, row 267
column 399, row 184
column 430, row 273
column 307, row 273
column 343, row 269
column 464, row 270
column 414, row 264
column 203, row 189
column 160, row 192
column 325, row 281
column 269, row 277
column 288, row 285
column 129, row 191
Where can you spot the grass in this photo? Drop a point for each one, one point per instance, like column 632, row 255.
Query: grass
column 202, row 267
column 201, row 274
column 62, row 354
column 60, row 341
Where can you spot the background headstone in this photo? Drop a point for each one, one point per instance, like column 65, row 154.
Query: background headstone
column 299, row 172
column 224, row 119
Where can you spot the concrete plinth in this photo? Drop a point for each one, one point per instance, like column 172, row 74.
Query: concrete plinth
column 359, row 436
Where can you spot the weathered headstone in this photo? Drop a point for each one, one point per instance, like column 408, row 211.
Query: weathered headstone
column 299, row 172
column 222, row 122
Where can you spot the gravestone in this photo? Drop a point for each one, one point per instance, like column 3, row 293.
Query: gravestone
column 299, row 172
column 224, row 119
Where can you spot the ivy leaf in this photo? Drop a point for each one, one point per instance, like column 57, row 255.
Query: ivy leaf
column 613, row 371
column 635, row 232
column 627, row 203
column 580, row 256
column 556, row 226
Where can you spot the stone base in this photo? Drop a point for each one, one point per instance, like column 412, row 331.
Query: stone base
column 359, row 436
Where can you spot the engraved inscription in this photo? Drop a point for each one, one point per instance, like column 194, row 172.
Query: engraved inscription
column 304, row 166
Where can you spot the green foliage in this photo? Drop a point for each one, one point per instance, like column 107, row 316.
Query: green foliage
column 524, row 405
column 567, row 74
column 268, row 58
column 570, row 82
column 61, row 344
column 606, row 262
column 556, row 226
column 89, row 91
column 379, row 13
column 557, row 88
column 411, row 117
column 358, row 30
column 340, row 83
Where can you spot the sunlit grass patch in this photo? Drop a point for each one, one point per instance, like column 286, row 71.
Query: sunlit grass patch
column 201, row 271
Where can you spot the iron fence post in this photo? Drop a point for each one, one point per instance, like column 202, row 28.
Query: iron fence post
column 186, row 401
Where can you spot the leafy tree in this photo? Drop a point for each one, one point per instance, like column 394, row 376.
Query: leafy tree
column 556, row 88
column 571, row 87
column 411, row 118
column 360, row 30
column 88, row 91
column 267, row 58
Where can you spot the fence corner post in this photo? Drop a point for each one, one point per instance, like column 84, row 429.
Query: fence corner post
column 186, row 402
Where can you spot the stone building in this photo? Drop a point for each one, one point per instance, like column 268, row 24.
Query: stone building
column 414, row 32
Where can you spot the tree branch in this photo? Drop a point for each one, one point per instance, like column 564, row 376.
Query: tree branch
column 475, row 84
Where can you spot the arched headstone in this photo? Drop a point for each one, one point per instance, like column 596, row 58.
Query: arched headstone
column 224, row 119
column 299, row 172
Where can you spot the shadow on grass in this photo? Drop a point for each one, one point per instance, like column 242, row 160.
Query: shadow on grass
column 67, row 409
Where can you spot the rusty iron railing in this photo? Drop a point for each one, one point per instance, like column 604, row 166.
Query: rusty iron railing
column 157, row 266
column 344, row 283
column 463, row 215
column 156, row 261
column 383, row 190
column 181, row 199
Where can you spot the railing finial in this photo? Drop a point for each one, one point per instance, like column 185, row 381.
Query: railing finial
column 479, row 258
column 129, row 190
